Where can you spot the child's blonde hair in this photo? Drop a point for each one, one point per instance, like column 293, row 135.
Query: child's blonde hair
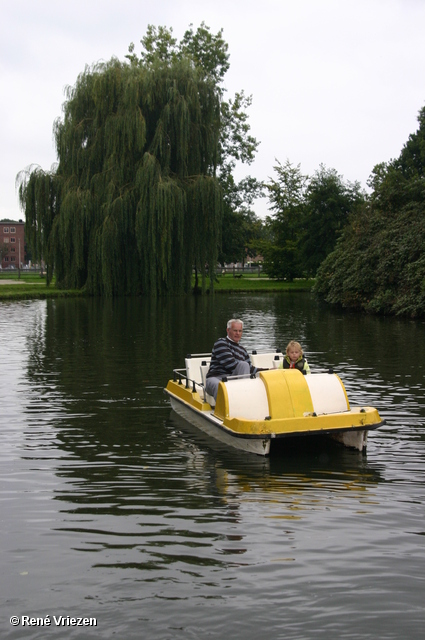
column 294, row 345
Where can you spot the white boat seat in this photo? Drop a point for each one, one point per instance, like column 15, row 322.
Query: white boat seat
column 247, row 398
column 205, row 365
column 266, row 360
column 327, row 393
column 193, row 366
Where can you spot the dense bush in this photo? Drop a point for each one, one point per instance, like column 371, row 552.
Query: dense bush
column 378, row 264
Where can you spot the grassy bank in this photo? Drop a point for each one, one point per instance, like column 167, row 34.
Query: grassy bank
column 32, row 286
column 227, row 283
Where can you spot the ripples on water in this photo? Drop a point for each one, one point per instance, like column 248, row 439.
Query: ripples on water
column 113, row 507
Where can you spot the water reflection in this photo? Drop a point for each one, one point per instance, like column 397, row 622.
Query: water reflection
column 113, row 506
column 96, row 369
column 299, row 467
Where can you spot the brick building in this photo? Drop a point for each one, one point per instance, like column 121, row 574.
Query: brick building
column 12, row 244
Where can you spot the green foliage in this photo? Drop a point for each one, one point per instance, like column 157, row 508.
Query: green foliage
column 253, row 283
column 308, row 216
column 358, row 258
column 286, row 195
column 242, row 229
column 412, row 158
column 242, row 236
column 209, row 53
column 328, row 203
column 240, row 225
column 39, row 198
column 158, row 43
column 144, row 150
column 379, row 264
column 137, row 150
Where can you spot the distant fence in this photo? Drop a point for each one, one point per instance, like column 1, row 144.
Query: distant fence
column 239, row 271
column 12, row 272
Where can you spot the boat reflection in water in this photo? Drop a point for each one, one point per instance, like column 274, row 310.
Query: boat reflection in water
column 308, row 473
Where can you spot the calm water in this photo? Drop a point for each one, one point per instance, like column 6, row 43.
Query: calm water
column 114, row 509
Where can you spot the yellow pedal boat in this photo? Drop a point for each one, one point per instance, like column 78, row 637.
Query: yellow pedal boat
column 254, row 413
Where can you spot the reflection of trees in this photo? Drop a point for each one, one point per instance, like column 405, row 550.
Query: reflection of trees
column 136, row 488
column 96, row 371
column 98, row 367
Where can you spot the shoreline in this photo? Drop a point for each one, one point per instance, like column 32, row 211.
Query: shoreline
column 27, row 289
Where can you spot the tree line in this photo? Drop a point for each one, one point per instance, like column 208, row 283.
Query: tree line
column 144, row 192
column 378, row 264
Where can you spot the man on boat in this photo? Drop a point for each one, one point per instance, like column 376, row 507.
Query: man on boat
column 228, row 358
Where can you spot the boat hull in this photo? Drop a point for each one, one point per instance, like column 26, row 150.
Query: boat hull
column 260, row 444
column 252, row 414
column 204, row 421
column 351, row 439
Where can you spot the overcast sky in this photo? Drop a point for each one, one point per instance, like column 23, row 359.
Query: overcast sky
column 334, row 82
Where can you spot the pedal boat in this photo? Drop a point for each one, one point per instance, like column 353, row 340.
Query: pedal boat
column 255, row 413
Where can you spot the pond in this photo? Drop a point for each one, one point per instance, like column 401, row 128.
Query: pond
column 121, row 520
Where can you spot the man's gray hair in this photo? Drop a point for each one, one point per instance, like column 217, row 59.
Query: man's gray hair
column 234, row 321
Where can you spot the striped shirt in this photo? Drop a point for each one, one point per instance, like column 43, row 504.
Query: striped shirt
column 225, row 357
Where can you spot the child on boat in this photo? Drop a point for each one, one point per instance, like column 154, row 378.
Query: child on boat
column 294, row 358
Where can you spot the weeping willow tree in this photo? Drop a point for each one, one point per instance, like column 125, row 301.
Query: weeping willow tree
column 133, row 204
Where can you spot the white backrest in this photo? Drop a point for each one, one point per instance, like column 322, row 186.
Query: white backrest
column 327, row 393
column 247, row 399
column 193, row 367
column 265, row 360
